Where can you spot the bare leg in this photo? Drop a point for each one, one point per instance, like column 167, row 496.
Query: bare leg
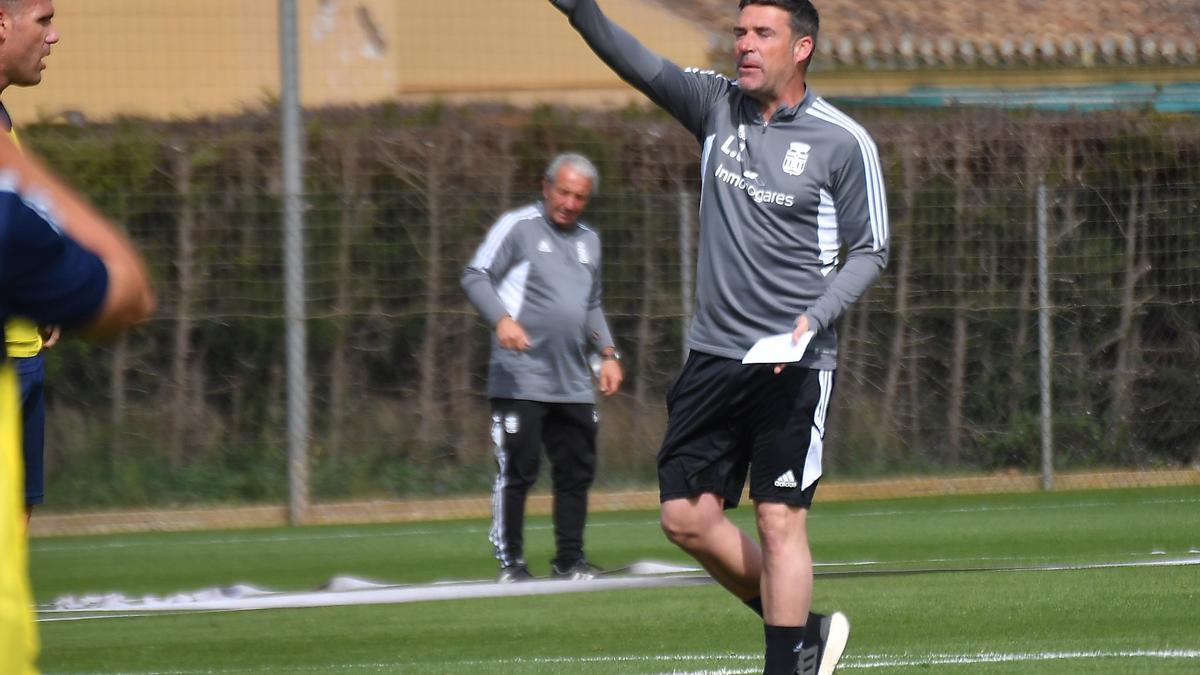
column 787, row 574
column 28, row 515
column 698, row 525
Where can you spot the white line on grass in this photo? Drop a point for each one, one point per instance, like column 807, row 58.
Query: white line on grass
column 888, row 661
column 865, row 661
column 457, row 666
column 1016, row 564
column 850, row 662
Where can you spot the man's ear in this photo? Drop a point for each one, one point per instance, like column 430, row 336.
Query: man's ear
column 802, row 49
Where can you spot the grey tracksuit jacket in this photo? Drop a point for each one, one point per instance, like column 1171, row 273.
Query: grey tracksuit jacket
column 780, row 201
column 548, row 279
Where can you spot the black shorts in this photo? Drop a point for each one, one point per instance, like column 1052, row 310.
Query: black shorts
column 726, row 419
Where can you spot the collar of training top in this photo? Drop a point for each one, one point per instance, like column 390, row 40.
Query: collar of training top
column 753, row 109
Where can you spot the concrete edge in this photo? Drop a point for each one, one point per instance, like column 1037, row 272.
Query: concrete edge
column 416, row 510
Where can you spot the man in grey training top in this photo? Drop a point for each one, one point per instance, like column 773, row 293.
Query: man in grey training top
column 536, row 281
column 789, row 182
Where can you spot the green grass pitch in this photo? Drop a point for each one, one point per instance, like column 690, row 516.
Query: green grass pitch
column 887, row 564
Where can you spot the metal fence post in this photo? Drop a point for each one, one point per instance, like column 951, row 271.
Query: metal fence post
column 1045, row 339
column 291, row 139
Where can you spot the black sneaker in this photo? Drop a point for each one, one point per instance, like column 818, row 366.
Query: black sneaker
column 513, row 573
column 822, row 648
column 580, row 570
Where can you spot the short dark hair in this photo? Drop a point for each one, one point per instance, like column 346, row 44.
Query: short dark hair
column 805, row 20
column 14, row 7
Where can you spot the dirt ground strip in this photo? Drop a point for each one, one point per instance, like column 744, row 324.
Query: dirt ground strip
column 417, row 510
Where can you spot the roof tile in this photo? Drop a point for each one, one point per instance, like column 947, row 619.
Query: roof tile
column 943, row 33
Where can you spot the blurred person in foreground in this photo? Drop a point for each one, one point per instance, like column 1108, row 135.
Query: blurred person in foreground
column 26, row 34
column 61, row 263
column 535, row 279
column 789, row 183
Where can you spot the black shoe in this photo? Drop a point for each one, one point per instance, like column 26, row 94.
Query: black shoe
column 580, row 570
column 513, row 573
column 822, row 648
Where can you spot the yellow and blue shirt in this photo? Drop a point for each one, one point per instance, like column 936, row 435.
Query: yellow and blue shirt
column 45, row 276
column 21, row 336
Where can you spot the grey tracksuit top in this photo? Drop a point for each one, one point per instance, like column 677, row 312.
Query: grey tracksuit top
column 778, row 200
column 548, row 279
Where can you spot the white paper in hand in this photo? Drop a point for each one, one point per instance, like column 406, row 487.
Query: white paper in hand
column 778, row 349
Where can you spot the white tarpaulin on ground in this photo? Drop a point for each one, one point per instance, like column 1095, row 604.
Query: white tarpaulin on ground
column 345, row 590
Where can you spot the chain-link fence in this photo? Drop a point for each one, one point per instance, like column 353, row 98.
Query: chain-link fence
column 939, row 366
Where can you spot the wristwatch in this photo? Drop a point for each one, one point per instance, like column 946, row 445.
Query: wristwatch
column 612, row 354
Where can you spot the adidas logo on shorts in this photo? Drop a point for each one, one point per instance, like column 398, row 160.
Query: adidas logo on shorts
column 787, row 480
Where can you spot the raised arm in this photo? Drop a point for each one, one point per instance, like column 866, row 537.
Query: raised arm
column 685, row 94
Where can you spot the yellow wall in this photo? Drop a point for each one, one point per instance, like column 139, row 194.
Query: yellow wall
column 185, row 58
column 525, row 49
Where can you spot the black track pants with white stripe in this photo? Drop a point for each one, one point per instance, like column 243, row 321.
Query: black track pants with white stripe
column 520, row 430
